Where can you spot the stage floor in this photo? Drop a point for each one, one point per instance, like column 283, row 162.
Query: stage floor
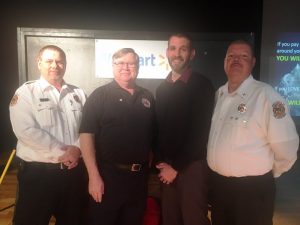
column 286, row 210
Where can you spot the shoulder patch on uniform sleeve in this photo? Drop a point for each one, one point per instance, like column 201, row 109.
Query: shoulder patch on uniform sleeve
column 278, row 110
column 14, row 100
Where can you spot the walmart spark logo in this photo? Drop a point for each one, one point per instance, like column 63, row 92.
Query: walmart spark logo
column 162, row 62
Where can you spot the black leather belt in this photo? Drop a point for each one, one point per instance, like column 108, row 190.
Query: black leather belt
column 135, row 167
column 49, row 166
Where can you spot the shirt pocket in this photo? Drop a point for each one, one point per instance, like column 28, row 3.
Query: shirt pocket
column 243, row 133
column 45, row 113
column 76, row 110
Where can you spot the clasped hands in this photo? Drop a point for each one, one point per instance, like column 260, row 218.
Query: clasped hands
column 71, row 156
column 167, row 173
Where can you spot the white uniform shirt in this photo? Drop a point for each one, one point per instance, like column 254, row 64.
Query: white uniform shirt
column 44, row 120
column 252, row 132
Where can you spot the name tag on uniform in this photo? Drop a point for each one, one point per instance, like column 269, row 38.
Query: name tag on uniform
column 44, row 99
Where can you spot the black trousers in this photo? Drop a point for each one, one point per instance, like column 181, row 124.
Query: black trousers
column 185, row 201
column 124, row 200
column 242, row 200
column 45, row 190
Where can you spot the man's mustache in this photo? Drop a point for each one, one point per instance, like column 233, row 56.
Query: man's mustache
column 178, row 58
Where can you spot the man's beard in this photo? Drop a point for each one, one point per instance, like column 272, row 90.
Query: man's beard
column 178, row 67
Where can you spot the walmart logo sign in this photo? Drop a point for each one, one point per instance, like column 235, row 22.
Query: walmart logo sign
column 153, row 63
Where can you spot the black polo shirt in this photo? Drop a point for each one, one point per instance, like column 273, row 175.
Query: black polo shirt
column 122, row 123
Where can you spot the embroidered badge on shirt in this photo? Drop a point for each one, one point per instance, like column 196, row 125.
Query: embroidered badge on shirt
column 242, row 108
column 146, row 102
column 76, row 98
column 14, row 100
column 278, row 110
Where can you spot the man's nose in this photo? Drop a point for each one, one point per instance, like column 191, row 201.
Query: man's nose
column 177, row 52
column 126, row 65
column 236, row 58
column 54, row 64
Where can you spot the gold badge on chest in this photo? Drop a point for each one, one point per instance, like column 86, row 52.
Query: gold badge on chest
column 76, row 98
column 242, row 108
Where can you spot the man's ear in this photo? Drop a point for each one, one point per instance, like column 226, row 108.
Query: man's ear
column 193, row 53
column 253, row 62
column 39, row 63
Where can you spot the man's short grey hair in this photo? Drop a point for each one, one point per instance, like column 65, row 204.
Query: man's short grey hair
column 125, row 51
column 244, row 42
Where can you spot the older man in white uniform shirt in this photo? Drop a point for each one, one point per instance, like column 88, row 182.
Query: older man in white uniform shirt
column 45, row 116
column 252, row 140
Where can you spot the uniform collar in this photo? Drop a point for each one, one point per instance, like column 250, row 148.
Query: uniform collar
column 45, row 85
column 117, row 86
column 243, row 90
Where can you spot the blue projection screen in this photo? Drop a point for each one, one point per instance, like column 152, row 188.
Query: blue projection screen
column 286, row 67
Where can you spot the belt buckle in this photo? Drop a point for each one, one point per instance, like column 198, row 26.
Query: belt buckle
column 136, row 167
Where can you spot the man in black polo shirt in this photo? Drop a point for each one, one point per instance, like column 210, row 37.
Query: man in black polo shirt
column 184, row 104
column 116, row 136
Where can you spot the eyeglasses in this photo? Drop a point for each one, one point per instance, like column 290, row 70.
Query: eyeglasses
column 122, row 64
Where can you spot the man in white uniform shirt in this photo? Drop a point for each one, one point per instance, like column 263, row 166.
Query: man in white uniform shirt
column 252, row 140
column 45, row 116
